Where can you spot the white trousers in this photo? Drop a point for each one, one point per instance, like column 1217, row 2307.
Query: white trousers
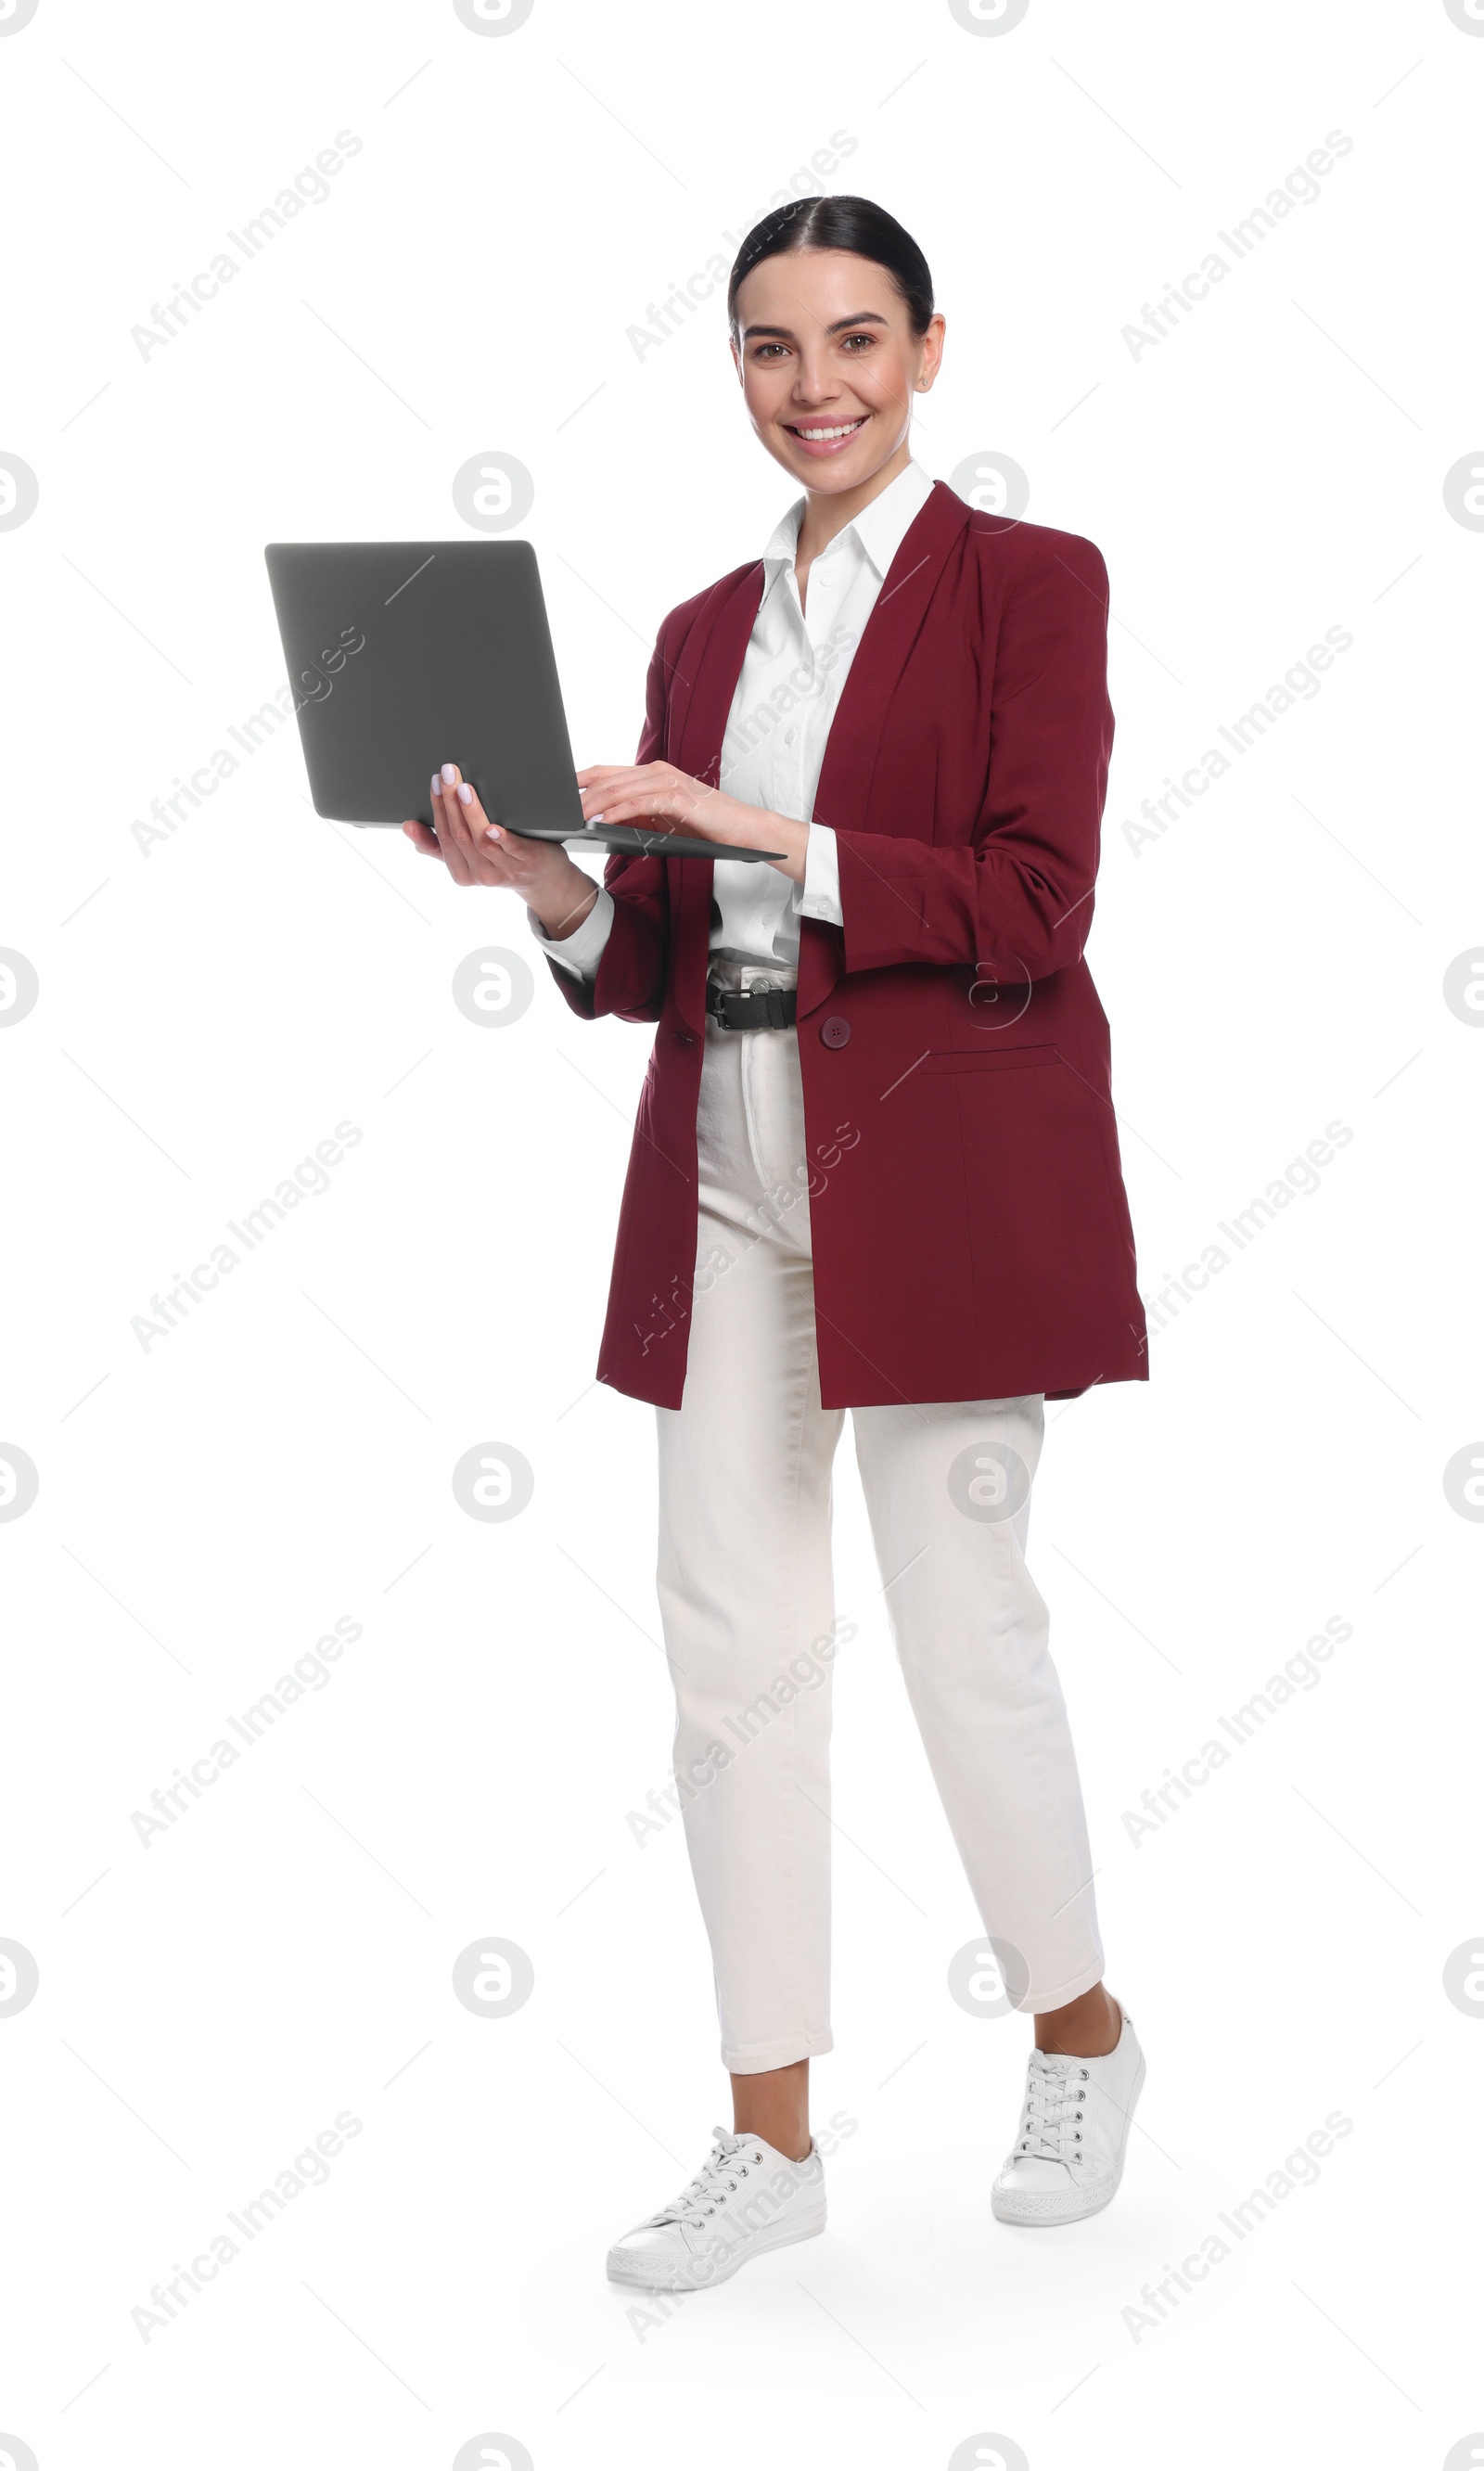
column 746, row 1589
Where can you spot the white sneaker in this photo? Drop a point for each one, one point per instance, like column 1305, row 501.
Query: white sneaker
column 1069, row 2156
column 747, row 2197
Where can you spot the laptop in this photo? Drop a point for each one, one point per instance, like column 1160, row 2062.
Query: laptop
column 403, row 655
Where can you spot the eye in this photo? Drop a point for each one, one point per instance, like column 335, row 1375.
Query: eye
column 865, row 338
column 763, row 350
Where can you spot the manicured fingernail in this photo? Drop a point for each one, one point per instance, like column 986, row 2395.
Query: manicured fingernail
column 491, row 832
column 448, row 774
column 436, row 785
column 465, row 794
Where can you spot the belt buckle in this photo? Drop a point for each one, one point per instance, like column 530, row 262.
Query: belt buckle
column 762, row 998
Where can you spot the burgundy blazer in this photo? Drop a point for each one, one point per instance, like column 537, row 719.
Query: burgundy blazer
column 971, row 1233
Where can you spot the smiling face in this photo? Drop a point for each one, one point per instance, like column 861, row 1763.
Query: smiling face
column 829, row 364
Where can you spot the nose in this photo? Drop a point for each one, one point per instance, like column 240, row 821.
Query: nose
column 814, row 383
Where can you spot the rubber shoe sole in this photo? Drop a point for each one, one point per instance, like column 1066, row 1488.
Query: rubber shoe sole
column 637, row 2273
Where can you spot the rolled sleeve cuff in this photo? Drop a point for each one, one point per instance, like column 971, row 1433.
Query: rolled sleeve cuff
column 582, row 950
column 821, row 897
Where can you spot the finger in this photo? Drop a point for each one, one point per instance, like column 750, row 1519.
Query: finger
column 639, row 791
column 609, row 780
column 489, row 848
column 449, row 848
column 455, row 834
column 644, row 807
column 423, row 840
column 512, row 859
column 492, row 854
column 453, row 827
column 602, row 778
column 460, row 799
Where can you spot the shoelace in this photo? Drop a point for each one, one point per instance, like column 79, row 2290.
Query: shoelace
column 729, row 2162
column 1056, row 2099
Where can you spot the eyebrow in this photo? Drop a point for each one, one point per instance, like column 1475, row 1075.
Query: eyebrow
column 786, row 334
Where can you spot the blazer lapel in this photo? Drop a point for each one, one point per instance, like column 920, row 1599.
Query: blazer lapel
column 860, row 716
column 703, row 683
column 700, row 705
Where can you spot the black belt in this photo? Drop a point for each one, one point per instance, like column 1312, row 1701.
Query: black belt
column 763, row 1008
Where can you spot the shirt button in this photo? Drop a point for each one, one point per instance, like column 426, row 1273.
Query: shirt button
column 788, row 736
column 836, row 1032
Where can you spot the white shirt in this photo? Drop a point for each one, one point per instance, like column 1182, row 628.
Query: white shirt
column 792, row 674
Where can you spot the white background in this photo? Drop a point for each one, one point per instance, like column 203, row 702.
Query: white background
column 208, row 1012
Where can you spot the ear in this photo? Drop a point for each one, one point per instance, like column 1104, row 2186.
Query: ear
column 932, row 351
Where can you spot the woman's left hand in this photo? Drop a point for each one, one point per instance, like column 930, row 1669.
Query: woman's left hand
column 663, row 796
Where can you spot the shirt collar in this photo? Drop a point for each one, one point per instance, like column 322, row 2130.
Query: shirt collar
column 880, row 529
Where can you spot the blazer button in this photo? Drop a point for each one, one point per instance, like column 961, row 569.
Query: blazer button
column 684, row 1037
column 836, row 1032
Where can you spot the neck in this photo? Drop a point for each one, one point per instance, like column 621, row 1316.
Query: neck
column 825, row 515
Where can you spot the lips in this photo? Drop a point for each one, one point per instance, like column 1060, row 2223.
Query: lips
column 824, row 438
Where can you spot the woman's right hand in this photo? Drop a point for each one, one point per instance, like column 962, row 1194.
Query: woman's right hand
column 476, row 850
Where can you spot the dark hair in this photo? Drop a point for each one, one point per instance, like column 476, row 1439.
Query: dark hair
column 852, row 223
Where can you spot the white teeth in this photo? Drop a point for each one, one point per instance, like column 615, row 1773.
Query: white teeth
column 824, row 434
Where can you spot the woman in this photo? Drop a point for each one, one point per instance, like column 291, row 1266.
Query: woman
column 875, row 1167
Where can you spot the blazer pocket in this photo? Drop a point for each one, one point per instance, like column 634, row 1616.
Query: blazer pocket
column 990, row 1059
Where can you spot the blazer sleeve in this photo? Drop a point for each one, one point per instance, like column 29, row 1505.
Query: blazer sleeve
column 632, row 971
column 1017, row 898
